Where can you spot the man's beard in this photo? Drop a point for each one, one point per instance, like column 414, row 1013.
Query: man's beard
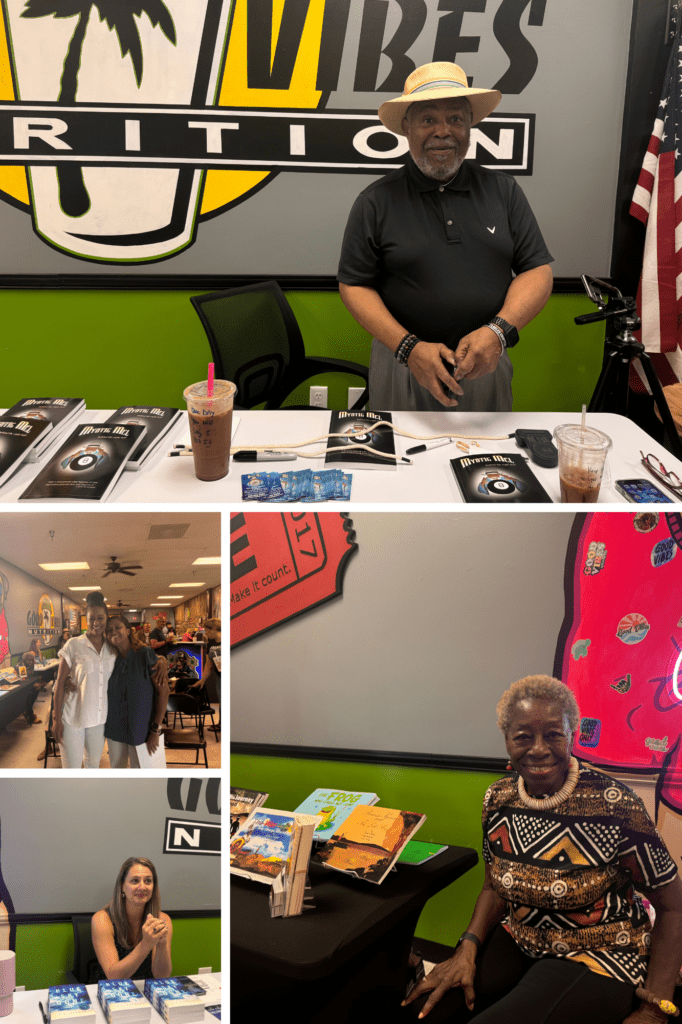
column 440, row 171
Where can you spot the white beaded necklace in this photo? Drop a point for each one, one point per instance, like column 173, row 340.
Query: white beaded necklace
column 550, row 802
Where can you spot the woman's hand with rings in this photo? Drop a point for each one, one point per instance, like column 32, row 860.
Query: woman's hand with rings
column 154, row 930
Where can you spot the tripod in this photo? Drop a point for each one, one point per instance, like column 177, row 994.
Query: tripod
column 612, row 390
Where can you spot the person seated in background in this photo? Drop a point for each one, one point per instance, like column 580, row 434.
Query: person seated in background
column 36, row 649
column 170, row 634
column 559, row 932
column 211, row 664
column 131, row 935
column 66, row 635
column 188, row 635
column 28, row 661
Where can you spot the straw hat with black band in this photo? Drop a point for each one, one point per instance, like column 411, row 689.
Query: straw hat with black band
column 438, row 81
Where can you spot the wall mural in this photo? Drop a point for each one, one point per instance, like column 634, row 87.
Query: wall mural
column 620, row 651
column 284, row 564
column 125, row 126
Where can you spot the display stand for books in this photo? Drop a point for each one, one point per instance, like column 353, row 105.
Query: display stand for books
column 277, row 897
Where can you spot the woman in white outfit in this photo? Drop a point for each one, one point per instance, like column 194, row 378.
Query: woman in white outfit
column 80, row 708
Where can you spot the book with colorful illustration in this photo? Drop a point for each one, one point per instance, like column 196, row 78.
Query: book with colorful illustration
column 178, row 1000
column 269, row 842
column 334, row 805
column 70, row 1003
column 369, row 842
column 122, row 1001
column 243, row 802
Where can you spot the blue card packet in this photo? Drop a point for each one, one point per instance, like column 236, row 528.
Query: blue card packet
column 304, row 482
column 255, row 486
column 346, row 484
column 275, row 493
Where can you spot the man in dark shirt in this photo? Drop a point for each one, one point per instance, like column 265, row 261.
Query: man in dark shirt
column 157, row 641
column 442, row 261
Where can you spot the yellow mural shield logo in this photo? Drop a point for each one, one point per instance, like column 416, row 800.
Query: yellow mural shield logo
column 117, row 107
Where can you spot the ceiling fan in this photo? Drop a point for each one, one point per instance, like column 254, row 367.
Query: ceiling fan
column 115, row 567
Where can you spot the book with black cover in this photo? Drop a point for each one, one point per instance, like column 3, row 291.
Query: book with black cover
column 497, row 479
column 157, row 419
column 17, row 439
column 88, row 464
column 60, row 412
column 360, row 428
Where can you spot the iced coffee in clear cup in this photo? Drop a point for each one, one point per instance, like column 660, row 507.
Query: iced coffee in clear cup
column 210, row 427
column 582, row 455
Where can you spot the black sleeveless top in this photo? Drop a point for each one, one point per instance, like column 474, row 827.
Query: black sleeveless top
column 95, row 972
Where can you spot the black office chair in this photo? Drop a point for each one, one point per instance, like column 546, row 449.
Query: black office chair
column 204, row 706
column 256, row 343
column 84, row 956
column 185, row 739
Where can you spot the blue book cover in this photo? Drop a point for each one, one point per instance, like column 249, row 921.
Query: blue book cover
column 68, row 1001
column 215, row 1010
column 118, row 990
column 334, row 805
column 163, row 993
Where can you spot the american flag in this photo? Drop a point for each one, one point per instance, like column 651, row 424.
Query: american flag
column 657, row 202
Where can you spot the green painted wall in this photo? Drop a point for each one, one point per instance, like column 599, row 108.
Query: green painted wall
column 450, row 800
column 116, row 347
column 45, row 951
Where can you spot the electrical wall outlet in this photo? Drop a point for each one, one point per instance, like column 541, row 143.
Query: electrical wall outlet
column 318, row 397
column 353, row 395
column 20, row 988
column 204, row 970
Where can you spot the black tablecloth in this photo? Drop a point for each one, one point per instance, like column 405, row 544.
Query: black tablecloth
column 346, row 958
column 13, row 702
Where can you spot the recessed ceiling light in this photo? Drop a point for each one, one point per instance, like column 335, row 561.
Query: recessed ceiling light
column 92, row 587
column 215, row 560
column 63, row 566
column 159, row 606
column 180, row 585
column 170, row 597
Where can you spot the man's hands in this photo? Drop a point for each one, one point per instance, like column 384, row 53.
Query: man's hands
column 425, row 362
column 457, row 972
column 478, row 353
column 154, row 930
column 159, row 673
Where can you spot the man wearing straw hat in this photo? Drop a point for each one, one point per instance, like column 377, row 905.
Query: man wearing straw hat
column 442, row 260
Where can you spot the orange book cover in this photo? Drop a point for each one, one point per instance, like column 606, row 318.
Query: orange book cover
column 369, row 841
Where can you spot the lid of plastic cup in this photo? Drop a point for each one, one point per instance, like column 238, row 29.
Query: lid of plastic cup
column 588, row 440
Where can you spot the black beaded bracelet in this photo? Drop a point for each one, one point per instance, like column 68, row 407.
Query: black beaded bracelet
column 405, row 346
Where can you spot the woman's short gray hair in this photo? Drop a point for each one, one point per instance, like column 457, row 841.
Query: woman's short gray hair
column 538, row 688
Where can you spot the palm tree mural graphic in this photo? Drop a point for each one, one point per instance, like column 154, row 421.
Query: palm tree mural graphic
column 120, row 17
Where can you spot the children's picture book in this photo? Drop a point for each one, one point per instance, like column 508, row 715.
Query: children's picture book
column 243, row 802
column 88, row 464
column 358, row 428
column 69, row 1003
column 497, row 480
column 17, row 439
column 158, row 420
column 334, row 805
column 60, row 412
column 269, row 842
column 369, row 842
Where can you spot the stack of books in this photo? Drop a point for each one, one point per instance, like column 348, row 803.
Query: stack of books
column 177, row 1000
column 122, row 1002
column 60, row 412
column 18, row 439
column 69, row 1003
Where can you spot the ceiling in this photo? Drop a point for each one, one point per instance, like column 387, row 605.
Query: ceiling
column 94, row 537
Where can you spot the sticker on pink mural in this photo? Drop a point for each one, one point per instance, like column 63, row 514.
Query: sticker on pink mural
column 620, row 645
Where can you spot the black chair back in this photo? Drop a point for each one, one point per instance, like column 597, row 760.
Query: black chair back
column 84, row 957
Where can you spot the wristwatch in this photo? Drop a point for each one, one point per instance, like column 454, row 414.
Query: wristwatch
column 154, row 727
column 511, row 335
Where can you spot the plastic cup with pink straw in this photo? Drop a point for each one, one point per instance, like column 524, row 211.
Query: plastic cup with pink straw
column 209, row 407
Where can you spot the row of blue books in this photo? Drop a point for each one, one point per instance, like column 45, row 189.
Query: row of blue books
column 178, row 1000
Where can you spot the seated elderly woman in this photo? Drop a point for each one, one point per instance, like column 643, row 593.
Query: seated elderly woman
column 559, row 933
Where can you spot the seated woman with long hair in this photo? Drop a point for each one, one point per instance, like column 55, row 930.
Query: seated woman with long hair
column 131, row 935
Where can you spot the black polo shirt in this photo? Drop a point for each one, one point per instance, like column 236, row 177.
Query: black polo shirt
column 441, row 257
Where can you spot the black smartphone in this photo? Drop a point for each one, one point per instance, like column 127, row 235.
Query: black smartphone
column 642, row 492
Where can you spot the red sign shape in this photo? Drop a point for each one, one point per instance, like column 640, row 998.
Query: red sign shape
column 282, row 564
